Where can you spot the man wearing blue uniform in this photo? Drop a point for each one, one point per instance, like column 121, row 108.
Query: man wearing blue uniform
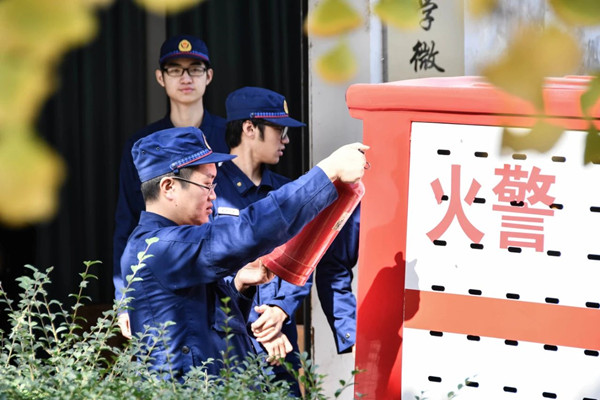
column 184, row 72
column 185, row 278
column 257, row 133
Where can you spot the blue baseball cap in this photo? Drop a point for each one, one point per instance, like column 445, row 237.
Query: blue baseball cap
column 183, row 46
column 255, row 102
column 171, row 149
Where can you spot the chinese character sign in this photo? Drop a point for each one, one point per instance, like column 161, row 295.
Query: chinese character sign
column 502, row 266
column 517, row 193
column 434, row 48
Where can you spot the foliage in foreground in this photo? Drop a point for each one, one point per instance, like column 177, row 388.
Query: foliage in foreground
column 48, row 355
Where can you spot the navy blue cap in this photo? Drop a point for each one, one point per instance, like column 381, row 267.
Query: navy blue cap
column 255, row 102
column 171, row 149
column 183, row 46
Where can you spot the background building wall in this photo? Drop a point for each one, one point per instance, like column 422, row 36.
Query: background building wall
column 331, row 126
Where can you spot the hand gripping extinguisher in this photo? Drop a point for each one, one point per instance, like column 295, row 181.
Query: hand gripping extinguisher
column 295, row 260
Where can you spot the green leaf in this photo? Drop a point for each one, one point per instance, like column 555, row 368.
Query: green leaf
column 480, row 8
column 577, row 12
column 337, row 65
column 591, row 95
column 542, row 137
column 401, row 14
column 533, row 55
column 167, row 6
column 592, row 146
column 332, row 17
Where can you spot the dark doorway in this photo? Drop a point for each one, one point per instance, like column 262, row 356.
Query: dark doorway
column 102, row 100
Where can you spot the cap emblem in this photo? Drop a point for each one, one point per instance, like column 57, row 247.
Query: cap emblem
column 185, row 45
column 285, row 107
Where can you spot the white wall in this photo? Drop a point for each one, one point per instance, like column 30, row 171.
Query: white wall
column 486, row 38
column 330, row 127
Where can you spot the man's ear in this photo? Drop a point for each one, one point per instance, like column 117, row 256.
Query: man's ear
column 166, row 187
column 249, row 129
column 209, row 76
column 159, row 77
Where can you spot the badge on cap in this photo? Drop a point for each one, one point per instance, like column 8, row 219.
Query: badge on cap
column 285, row 108
column 185, row 45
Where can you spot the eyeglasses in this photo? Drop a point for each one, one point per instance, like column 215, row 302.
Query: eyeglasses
column 283, row 130
column 176, row 72
column 210, row 188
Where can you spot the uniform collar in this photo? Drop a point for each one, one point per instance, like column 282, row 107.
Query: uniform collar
column 241, row 182
column 207, row 119
column 150, row 219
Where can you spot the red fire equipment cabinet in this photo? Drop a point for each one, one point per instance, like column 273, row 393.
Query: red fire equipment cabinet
column 479, row 265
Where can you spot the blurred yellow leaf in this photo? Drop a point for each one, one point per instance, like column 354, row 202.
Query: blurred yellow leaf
column 402, row 14
column 35, row 35
column 30, row 178
column 25, row 86
column 98, row 3
column 167, row 6
column 44, row 29
column 332, row 17
column 533, row 55
column 542, row 137
column 591, row 95
column 592, row 146
column 577, row 12
column 479, row 8
column 337, row 65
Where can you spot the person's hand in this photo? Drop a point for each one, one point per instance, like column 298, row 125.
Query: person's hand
column 347, row 163
column 252, row 274
column 277, row 348
column 123, row 322
column 269, row 324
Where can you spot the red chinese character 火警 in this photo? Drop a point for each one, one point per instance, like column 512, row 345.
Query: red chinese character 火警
column 521, row 190
column 455, row 209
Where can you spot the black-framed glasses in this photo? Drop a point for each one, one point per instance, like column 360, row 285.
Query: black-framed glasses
column 210, row 188
column 176, row 71
column 283, row 130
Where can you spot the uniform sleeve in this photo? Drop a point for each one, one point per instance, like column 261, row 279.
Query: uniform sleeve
column 203, row 254
column 334, row 284
column 243, row 301
column 289, row 296
column 129, row 206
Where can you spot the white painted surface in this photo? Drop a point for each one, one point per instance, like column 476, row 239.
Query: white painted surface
column 534, row 275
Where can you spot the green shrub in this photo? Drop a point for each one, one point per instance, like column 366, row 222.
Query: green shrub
column 49, row 355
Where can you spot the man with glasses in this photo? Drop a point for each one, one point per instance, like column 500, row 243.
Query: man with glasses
column 257, row 133
column 194, row 263
column 184, row 72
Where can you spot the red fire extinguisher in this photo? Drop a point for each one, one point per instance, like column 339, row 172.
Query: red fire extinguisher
column 295, row 260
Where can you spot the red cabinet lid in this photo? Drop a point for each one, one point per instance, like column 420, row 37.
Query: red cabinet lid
column 468, row 94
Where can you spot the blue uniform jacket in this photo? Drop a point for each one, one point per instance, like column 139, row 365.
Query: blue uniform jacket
column 130, row 202
column 183, row 280
column 236, row 191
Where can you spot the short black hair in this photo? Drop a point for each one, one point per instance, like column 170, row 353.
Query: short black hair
column 150, row 188
column 233, row 130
